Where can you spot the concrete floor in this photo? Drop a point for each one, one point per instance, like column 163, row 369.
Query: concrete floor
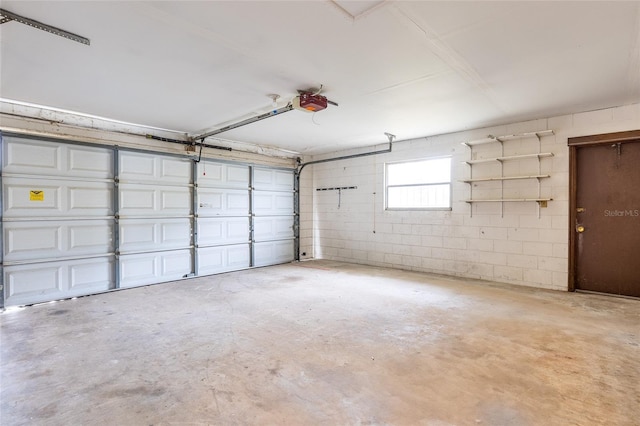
column 323, row 343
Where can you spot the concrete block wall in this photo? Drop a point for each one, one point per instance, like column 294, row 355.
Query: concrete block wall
column 509, row 242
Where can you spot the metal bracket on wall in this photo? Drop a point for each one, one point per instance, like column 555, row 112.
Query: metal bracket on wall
column 7, row 16
column 339, row 189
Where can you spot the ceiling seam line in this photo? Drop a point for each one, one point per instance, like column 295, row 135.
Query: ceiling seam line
column 450, row 57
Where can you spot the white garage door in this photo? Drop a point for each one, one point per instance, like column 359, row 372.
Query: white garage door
column 80, row 219
column 155, row 218
column 222, row 217
column 273, row 216
column 57, row 220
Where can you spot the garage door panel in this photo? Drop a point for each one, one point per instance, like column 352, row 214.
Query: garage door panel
column 32, row 241
column 33, row 283
column 42, row 282
column 136, row 235
column 83, row 198
column 211, row 174
column 138, row 270
column 91, row 275
column 91, row 236
column 272, row 203
column 223, row 202
column 25, row 197
column 24, row 241
column 150, row 201
column 151, row 268
column 272, row 253
column 135, row 166
column 31, row 157
column 21, row 200
column 272, row 179
column 176, row 233
column 237, row 176
column 154, row 169
column 213, row 260
column 177, row 170
column 237, row 202
column 154, row 235
column 155, row 218
column 272, row 228
column 139, row 200
column 34, row 157
column 178, row 200
column 223, row 231
column 175, row 266
column 221, row 175
column 88, row 162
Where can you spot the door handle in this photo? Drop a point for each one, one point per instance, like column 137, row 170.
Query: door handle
column 579, row 229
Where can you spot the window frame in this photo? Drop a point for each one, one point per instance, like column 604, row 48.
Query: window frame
column 417, row 160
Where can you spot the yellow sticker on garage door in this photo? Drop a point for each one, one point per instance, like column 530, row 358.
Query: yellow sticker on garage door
column 35, row 195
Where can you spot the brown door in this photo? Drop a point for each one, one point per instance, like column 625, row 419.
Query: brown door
column 607, row 218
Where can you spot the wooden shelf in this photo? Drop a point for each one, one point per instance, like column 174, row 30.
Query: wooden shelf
column 501, row 159
column 500, row 139
column 510, row 157
column 509, row 200
column 505, row 178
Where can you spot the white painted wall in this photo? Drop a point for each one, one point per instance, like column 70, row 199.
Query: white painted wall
column 307, row 214
column 517, row 247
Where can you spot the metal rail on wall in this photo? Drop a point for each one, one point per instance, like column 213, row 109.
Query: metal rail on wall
column 301, row 167
column 339, row 189
column 391, row 137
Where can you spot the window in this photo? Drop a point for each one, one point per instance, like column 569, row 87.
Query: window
column 423, row 184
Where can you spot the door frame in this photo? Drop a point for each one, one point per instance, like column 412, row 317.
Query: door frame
column 574, row 143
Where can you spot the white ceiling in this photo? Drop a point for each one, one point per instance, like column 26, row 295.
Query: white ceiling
column 410, row 68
